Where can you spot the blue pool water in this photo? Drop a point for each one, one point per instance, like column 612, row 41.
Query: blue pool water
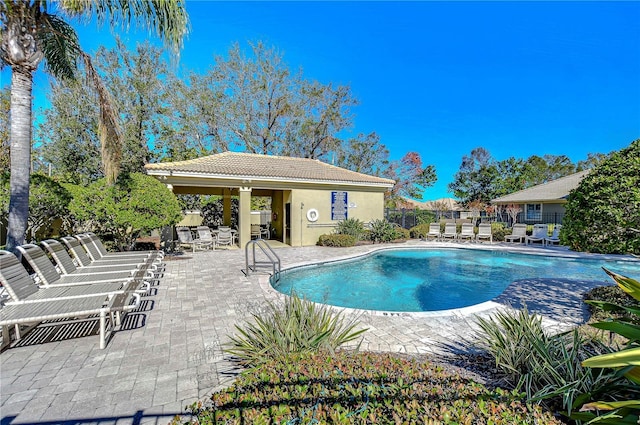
column 415, row 280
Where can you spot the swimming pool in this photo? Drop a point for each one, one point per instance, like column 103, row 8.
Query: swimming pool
column 415, row 280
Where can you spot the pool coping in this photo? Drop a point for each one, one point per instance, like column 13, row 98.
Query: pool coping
column 554, row 251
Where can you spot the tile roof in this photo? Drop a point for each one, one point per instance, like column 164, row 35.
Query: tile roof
column 232, row 164
column 555, row 190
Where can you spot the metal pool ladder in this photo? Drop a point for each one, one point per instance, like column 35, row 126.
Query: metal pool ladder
column 272, row 261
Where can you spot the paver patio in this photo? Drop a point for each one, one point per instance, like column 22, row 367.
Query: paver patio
column 169, row 353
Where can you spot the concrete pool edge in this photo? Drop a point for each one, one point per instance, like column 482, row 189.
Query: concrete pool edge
column 265, row 284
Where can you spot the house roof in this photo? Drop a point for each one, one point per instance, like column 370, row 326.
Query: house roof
column 450, row 204
column 555, row 191
column 268, row 167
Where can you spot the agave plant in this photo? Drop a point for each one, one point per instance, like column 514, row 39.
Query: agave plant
column 626, row 361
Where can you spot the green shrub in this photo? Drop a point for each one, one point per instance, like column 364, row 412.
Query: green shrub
column 361, row 388
column 382, row 231
column 402, row 233
column 612, row 295
column 350, row 226
column 420, row 231
column 603, row 212
column 548, row 368
column 336, row 240
column 296, row 326
column 499, row 232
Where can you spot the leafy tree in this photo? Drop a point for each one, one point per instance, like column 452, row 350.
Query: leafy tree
column 603, row 212
column 474, row 181
column 31, row 31
column 69, row 133
column 48, row 202
column 538, row 170
column 136, row 203
column 364, row 154
column 410, row 176
column 592, row 161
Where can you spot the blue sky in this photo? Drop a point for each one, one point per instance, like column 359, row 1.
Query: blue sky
column 441, row 78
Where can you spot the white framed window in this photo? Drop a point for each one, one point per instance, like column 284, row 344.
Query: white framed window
column 533, row 211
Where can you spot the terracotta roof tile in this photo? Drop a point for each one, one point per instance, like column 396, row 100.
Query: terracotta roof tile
column 267, row 166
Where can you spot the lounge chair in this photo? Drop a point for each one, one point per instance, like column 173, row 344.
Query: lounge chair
column 66, row 265
column 518, row 233
column 450, row 232
column 48, row 275
column 555, row 236
column 30, row 304
column 540, row 231
column 186, row 239
column 82, row 257
column 434, row 232
column 466, row 232
column 484, row 232
column 97, row 251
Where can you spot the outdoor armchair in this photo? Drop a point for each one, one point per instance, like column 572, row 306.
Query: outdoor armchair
column 186, row 239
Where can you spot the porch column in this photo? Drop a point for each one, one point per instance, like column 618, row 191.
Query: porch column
column 244, row 216
column 226, row 206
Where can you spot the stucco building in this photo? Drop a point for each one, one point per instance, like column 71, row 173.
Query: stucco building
column 308, row 197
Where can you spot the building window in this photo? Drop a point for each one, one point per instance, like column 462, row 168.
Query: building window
column 534, row 211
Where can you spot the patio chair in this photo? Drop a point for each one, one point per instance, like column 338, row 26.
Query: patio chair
column 224, row 237
column 255, row 231
column 48, row 275
column 434, row 232
column 450, row 232
column 484, row 232
column 206, row 237
column 540, row 231
column 31, row 304
column 518, row 233
column 555, row 236
column 466, row 232
column 66, row 265
column 186, row 239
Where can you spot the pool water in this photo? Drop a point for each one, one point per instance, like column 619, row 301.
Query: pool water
column 414, row 280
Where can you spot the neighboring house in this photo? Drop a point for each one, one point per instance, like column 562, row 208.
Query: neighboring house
column 308, row 197
column 543, row 203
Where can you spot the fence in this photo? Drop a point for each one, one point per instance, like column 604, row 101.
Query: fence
column 409, row 217
column 550, row 218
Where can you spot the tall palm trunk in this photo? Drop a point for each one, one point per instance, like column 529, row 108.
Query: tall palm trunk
column 21, row 86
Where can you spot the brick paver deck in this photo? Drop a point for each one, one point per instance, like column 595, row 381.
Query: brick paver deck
column 169, row 353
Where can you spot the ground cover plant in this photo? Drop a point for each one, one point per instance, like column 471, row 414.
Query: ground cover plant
column 361, row 388
column 293, row 326
column 547, row 368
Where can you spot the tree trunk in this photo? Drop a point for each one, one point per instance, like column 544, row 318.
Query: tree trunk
column 21, row 104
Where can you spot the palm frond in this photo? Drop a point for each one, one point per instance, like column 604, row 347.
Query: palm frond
column 108, row 124
column 60, row 46
column 166, row 18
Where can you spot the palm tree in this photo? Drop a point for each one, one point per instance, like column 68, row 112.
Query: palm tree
column 34, row 30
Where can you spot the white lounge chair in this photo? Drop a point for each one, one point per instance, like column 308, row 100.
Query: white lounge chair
column 206, row 237
column 96, row 250
column 224, row 237
column 434, row 232
column 31, row 305
column 466, row 232
column 81, row 256
column 450, row 232
column 555, row 236
column 484, row 232
column 540, row 231
column 48, row 275
column 66, row 265
column 518, row 233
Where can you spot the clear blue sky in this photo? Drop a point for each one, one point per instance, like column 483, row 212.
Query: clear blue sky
column 441, row 78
